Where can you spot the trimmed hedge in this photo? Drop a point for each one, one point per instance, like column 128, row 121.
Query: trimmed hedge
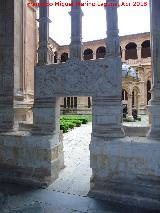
column 69, row 122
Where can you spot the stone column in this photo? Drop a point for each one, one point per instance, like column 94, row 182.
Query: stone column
column 107, row 120
column 8, row 64
column 129, row 106
column 45, row 111
column 139, row 103
column 94, row 55
column 58, row 58
column 139, row 52
column 154, row 106
column 76, row 30
column 107, row 110
column 43, row 50
column 112, row 41
column 46, row 116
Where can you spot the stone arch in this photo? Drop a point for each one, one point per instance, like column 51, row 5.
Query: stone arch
column 88, row 54
column 131, row 51
column 100, row 52
column 145, row 49
column 148, row 90
column 64, row 57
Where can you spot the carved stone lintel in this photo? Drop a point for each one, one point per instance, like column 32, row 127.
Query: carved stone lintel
column 79, row 78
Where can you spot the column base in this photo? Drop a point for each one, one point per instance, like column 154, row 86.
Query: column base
column 126, row 170
column 30, row 160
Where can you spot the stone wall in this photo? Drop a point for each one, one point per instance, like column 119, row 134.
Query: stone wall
column 126, row 170
column 30, row 160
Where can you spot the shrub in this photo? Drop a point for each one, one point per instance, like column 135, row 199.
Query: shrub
column 64, row 127
column 71, row 121
column 77, row 122
column 84, row 120
column 71, row 125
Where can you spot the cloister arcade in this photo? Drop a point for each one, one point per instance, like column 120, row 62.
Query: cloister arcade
column 131, row 51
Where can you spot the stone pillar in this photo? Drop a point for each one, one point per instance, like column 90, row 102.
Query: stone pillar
column 44, row 111
column 43, row 51
column 139, row 52
column 58, row 58
column 8, row 63
column 76, row 30
column 113, row 127
column 129, row 105
column 112, row 41
column 107, row 117
column 94, row 55
column 107, row 110
column 139, row 103
column 46, row 116
column 30, row 159
column 154, row 106
column 125, row 170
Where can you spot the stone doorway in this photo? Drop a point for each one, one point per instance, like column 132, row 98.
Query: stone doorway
column 100, row 79
column 75, row 177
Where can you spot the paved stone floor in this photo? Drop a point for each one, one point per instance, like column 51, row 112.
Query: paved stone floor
column 75, row 178
column 69, row 192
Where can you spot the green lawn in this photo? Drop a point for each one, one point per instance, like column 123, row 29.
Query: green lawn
column 70, row 121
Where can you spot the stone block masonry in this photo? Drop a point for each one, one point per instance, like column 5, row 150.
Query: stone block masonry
column 126, row 170
column 31, row 160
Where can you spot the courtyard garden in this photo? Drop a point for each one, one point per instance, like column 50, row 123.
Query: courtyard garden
column 68, row 122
